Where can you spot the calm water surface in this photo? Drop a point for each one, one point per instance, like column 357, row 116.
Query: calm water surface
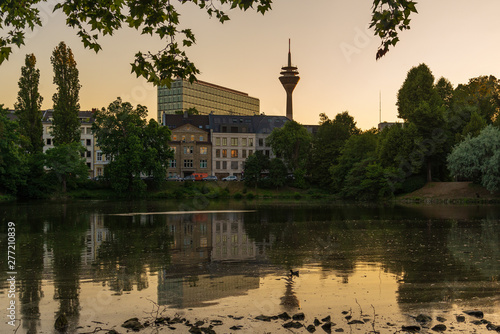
column 102, row 263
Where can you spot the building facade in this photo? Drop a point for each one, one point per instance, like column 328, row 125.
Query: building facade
column 191, row 142
column 86, row 136
column 230, row 141
column 206, row 98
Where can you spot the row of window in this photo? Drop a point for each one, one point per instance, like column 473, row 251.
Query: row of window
column 188, row 163
column 234, row 153
column 222, row 141
column 183, row 138
column 223, row 164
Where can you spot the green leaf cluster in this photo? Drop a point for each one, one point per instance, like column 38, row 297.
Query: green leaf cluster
column 478, row 158
column 133, row 146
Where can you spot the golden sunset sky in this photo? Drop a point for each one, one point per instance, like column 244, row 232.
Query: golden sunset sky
column 331, row 46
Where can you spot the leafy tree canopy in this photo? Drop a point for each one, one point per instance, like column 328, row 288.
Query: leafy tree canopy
column 93, row 19
column 28, row 106
column 66, row 125
column 12, row 158
column 478, row 159
column 328, row 143
column 483, row 93
column 292, row 143
column 133, row 145
column 67, row 163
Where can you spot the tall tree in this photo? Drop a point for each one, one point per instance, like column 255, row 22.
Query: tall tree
column 133, row 145
column 328, row 143
column 93, row 19
column 28, row 106
column 419, row 103
column 291, row 143
column 66, row 126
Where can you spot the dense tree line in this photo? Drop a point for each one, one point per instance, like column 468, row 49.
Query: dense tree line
column 447, row 133
column 134, row 146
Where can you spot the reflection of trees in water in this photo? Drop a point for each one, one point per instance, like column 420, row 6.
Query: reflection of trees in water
column 30, row 267
column 135, row 243
column 420, row 252
column 66, row 241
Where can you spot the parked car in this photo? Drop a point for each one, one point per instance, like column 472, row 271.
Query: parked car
column 210, row 178
column 175, row 178
column 199, row 176
column 190, row 178
column 230, row 178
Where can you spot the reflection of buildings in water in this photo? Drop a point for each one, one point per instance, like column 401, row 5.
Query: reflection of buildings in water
column 201, row 290
column 205, row 238
column 230, row 239
column 192, row 237
column 94, row 238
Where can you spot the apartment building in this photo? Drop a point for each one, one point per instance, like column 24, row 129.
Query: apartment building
column 86, row 136
column 191, row 142
column 206, row 97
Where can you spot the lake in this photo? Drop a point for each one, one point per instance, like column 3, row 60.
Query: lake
column 225, row 263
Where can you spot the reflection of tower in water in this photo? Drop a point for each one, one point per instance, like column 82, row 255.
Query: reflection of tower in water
column 289, row 300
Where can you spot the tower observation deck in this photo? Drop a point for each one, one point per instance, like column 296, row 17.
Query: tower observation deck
column 289, row 79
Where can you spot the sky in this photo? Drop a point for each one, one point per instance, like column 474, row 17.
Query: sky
column 330, row 42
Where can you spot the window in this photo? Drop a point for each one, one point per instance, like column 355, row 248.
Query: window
column 188, row 149
column 234, row 141
column 224, row 141
column 188, row 163
column 217, row 141
column 89, row 142
column 267, row 153
column 172, row 163
column 82, row 130
column 89, row 154
column 261, row 141
column 234, row 164
column 217, row 165
column 250, row 141
column 49, row 141
column 89, row 165
column 203, row 163
column 203, row 150
column 201, row 138
column 99, row 156
column 192, row 137
column 99, row 171
column 89, row 131
column 217, row 153
column 174, row 137
column 234, row 129
column 224, row 129
column 250, row 152
column 224, row 153
column 174, row 148
column 224, row 165
column 243, row 142
column 234, row 153
column 183, row 138
column 244, row 154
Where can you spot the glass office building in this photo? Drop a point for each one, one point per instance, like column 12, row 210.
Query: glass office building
column 206, row 98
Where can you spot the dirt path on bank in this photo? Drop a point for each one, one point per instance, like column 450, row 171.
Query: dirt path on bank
column 451, row 190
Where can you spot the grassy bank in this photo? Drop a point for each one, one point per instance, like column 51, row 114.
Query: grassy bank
column 210, row 190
